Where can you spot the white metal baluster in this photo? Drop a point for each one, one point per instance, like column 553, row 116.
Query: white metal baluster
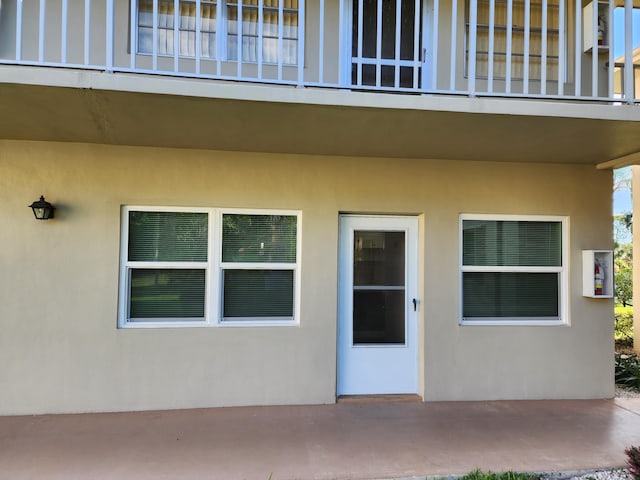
column 19, row 31
column 492, row 32
column 260, row 36
column 416, row 45
column 562, row 59
column 595, row 50
column 240, row 40
column 280, row 35
column 198, row 39
column 379, row 44
column 578, row 50
column 473, row 32
column 301, row 43
column 64, row 30
column 154, row 37
column 434, row 42
column 87, row 32
column 396, row 67
column 133, row 18
column 176, row 35
column 321, row 46
column 628, row 52
column 610, row 30
column 109, row 35
column 543, row 53
column 41, row 30
column 527, row 46
column 360, row 65
column 220, row 34
column 509, row 50
column 454, row 53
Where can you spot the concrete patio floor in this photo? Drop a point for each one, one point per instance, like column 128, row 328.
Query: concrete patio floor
column 361, row 440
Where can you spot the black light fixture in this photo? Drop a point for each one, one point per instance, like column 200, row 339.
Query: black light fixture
column 42, row 209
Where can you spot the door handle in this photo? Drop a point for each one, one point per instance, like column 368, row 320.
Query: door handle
column 415, row 304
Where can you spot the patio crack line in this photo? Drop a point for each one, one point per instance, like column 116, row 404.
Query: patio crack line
column 628, row 410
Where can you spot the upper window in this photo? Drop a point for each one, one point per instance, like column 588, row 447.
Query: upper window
column 269, row 29
column 207, row 267
column 543, row 23
column 514, row 270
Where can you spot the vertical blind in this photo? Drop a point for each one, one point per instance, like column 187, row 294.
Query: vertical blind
column 270, row 31
column 279, row 29
column 186, row 28
column 500, row 32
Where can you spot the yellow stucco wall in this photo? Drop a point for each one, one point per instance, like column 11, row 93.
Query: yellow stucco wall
column 61, row 351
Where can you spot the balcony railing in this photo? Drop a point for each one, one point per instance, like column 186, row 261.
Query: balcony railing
column 554, row 49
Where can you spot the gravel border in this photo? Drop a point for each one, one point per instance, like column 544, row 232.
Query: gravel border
column 604, row 474
column 619, row 473
column 622, row 392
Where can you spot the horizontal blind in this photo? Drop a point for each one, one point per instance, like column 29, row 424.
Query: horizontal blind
column 258, row 293
column 167, row 236
column 512, row 243
column 259, row 238
column 167, row 293
column 501, row 294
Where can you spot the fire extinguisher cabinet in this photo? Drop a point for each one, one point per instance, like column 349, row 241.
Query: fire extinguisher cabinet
column 597, row 273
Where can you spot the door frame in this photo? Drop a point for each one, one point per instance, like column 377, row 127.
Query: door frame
column 410, row 350
column 428, row 38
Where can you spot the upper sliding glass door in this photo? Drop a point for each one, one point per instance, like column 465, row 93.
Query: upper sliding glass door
column 386, row 43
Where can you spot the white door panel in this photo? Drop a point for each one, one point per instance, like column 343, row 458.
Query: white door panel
column 377, row 318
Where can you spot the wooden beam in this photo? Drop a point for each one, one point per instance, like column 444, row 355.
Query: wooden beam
column 624, row 161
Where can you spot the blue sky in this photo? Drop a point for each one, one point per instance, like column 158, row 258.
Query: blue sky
column 618, row 30
column 621, row 201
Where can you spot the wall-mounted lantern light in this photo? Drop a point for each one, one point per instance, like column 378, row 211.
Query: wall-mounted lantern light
column 42, row 209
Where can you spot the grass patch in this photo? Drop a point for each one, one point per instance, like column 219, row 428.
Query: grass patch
column 509, row 475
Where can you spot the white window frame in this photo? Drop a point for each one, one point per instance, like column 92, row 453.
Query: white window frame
column 222, row 48
column 560, row 33
column 214, row 269
column 563, row 271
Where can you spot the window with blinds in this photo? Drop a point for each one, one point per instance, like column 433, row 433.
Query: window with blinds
column 173, row 272
column 541, row 15
column 513, row 270
column 269, row 29
column 259, row 254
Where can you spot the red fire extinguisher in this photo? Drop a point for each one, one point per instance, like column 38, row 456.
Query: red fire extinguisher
column 598, row 278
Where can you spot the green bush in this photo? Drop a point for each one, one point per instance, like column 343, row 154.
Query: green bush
column 624, row 325
column 480, row 475
column 633, row 460
column 627, row 370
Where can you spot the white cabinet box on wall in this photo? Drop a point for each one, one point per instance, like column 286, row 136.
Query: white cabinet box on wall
column 602, row 28
column 597, row 273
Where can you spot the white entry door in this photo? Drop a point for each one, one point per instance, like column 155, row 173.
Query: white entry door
column 378, row 303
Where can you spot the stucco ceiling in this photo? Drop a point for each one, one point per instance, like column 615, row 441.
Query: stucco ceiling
column 53, row 113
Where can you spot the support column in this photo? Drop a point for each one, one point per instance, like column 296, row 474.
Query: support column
column 635, row 186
